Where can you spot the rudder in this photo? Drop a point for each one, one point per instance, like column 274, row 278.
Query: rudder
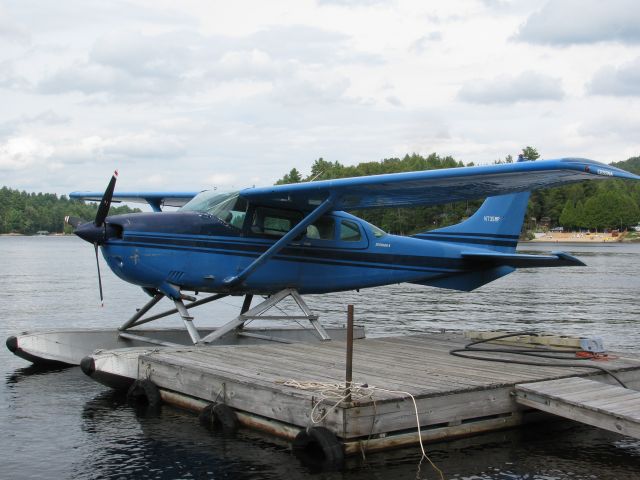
column 495, row 225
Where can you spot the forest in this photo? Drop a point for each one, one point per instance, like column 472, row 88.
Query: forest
column 607, row 204
column 28, row 213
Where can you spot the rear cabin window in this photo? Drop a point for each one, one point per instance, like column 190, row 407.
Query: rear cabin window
column 271, row 221
column 349, row 231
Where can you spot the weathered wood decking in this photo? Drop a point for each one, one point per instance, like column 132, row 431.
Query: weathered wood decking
column 454, row 396
column 610, row 407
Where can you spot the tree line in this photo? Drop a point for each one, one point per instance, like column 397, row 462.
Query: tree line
column 609, row 204
column 29, row 213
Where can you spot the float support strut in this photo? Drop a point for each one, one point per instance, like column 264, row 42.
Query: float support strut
column 256, row 314
column 188, row 321
column 148, row 306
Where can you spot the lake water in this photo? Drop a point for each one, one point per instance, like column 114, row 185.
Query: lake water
column 60, row 424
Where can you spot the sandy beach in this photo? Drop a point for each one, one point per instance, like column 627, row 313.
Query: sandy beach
column 574, row 237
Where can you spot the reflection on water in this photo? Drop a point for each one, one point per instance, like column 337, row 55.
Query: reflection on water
column 58, row 424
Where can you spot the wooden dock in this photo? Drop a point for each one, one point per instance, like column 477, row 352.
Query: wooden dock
column 280, row 387
column 610, row 407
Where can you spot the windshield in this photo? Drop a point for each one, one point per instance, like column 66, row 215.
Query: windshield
column 228, row 207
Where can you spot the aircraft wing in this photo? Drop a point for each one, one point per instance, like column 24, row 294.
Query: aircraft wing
column 432, row 187
column 155, row 199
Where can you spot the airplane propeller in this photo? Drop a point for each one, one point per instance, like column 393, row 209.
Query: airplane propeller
column 105, row 203
column 96, row 232
column 73, row 221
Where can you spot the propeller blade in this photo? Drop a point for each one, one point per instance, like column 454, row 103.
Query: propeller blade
column 95, row 245
column 73, row 221
column 105, row 203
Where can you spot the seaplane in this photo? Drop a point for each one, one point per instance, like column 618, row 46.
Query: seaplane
column 282, row 242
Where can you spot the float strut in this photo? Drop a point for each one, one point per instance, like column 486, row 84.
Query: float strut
column 246, row 305
column 188, row 321
column 148, row 306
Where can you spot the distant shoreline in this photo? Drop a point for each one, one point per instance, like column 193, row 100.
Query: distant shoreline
column 35, row 235
column 574, row 237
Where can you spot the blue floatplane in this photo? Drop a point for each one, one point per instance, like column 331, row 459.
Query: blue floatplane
column 290, row 240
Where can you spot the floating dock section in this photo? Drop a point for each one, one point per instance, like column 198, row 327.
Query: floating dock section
column 610, row 407
column 400, row 383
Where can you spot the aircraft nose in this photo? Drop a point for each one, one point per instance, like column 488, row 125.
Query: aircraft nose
column 90, row 233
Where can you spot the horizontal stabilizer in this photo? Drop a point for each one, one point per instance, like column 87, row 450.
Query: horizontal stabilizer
column 517, row 260
column 466, row 282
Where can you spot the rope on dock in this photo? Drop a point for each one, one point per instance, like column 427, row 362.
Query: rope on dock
column 336, row 393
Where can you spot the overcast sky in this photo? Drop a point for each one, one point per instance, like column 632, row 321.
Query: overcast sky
column 195, row 94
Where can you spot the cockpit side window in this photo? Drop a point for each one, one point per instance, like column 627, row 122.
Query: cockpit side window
column 232, row 211
column 228, row 207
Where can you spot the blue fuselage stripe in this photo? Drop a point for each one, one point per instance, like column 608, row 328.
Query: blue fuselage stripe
column 306, row 254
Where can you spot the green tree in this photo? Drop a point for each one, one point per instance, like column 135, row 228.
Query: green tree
column 569, row 217
column 610, row 209
column 27, row 213
column 530, row 153
column 292, row 177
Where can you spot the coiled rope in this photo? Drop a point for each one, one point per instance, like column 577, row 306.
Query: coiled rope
column 333, row 394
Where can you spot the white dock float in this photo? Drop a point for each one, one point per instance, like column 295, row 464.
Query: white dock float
column 610, row 407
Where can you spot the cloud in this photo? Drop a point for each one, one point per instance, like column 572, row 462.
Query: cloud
column 248, row 64
column 28, row 151
column 11, row 31
column 617, row 81
column 222, row 179
column 143, row 145
column 352, row 3
column 76, row 15
column 624, row 125
column 136, row 66
column 167, row 55
column 89, row 79
column 425, row 42
column 307, row 44
column 46, row 118
column 132, row 64
column 19, row 153
column 9, row 79
column 302, row 90
column 528, row 86
column 566, row 22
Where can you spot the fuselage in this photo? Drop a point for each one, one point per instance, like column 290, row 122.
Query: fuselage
column 197, row 251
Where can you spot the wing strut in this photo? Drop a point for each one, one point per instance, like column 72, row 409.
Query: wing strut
column 323, row 208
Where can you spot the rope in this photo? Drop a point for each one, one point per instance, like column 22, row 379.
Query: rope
column 336, row 393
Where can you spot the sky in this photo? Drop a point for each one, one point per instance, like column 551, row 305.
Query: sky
column 199, row 94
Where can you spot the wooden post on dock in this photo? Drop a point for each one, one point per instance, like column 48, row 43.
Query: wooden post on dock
column 349, row 372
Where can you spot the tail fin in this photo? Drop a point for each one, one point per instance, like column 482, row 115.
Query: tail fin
column 496, row 224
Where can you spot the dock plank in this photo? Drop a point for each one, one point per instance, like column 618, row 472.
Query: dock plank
column 610, row 407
